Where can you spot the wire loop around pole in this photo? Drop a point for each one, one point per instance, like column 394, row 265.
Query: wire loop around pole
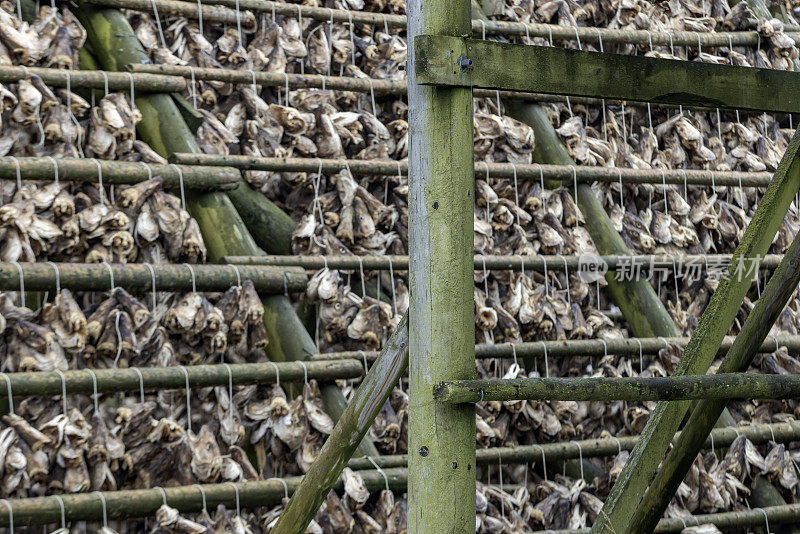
column 21, row 284
column 63, row 511
column 58, row 276
column 10, row 396
column 277, row 374
column 202, row 494
column 105, row 507
column 385, row 478
column 110, row 274
column 285, row 486
column 63, row 390
column 10, row 515
column 580, row 454
column 236, row 490
column 188, row 400
column 94, row 390
column 141, row 382
column 194, row 278
column 163, row 494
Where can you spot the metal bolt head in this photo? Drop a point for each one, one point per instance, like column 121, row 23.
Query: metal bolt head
column 464, row 63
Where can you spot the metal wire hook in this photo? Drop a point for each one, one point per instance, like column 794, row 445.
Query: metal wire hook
column 153, row 278
column 514, row 352
column 10, row 396
column 238, row 275
column 546, row 363
column 100, row 179
column 63, row 390
column 766, row 519
column 105, row 83
column 364, row 355
column 305, row 371
column 105, row 506
column 21, row 283
column 55, row 168
column 110, row 274
column 58, row 275
column 163, row 494
column 19, row 172
column 230, row 390
column 188, row 400
column 619, row 444
column 580, row 454
column 516, row 191
column 641, row 357
column 385, row 478
column 63, row 511
column 180, row 181
column 203, row 494
column 277, row 374
column 141, row 382
column 94, row 390
column 566, row 277
column 194, row 279
column 544, row 462
column 236, row 490
column 10, row 515
column 285, row 486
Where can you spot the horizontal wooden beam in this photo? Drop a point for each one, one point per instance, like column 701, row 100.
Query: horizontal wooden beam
column 138, row 277
column 686, row 387
column 460, row 62
column 193, row 177
column 594, row 448
column 523, row 171
column 81, row 381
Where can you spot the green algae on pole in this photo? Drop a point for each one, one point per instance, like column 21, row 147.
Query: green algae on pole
column 714, row 323
column 683, row 387
column 441, row 492
column 195, row 178
column 350, row 429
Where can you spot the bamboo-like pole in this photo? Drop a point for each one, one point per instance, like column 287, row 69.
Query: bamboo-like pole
column 628, row 266
column 494, row 27
column 88, row 382
column 723, row 386
column 144, row 502
column 535, row 171
column 211, row 13
column 138, row 277
column 90, row 79
column 348, row 432
column 598, row 448
column 194, row 178
column 582, row 348
column 768, row 307
column 224, row 232
column 441, row 199
column 714, row 324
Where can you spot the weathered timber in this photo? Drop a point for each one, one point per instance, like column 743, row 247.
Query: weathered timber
column 683, row 387
column 505, row 66
column 534, row 171
column 224, row 232
column 688, row 265
column 348, row 432
column 787, row 514
column 596, row 448
column 441, row 492
column 138, row 277
column 195, row 178
column 496, row 27
column 768, row 307
column 361, row 85
column 586, row 348
column 699, row 353
column 142, row 503
column 177, row 8
column 157, row 378
column 271, row 227
column 90, row 79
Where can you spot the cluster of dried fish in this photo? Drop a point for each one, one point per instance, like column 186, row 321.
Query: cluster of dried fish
column 78, row 222
column 120, row 331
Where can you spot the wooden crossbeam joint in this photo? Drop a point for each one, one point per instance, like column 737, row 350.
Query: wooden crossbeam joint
column 461, row 62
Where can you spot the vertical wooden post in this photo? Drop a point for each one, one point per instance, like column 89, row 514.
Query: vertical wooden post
column 441, row 493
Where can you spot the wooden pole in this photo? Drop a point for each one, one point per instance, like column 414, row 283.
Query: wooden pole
column 714, row 324
column 441, row 493
column 683, row 387
column 768, row 307
column 224, row 232
column 634, row 264
column 576, row 348
column 348, row 432
column 195, row 178
column 90, row 79
column 128, row 379
column 138, row 277
column 523, row 171
column 596, row 448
